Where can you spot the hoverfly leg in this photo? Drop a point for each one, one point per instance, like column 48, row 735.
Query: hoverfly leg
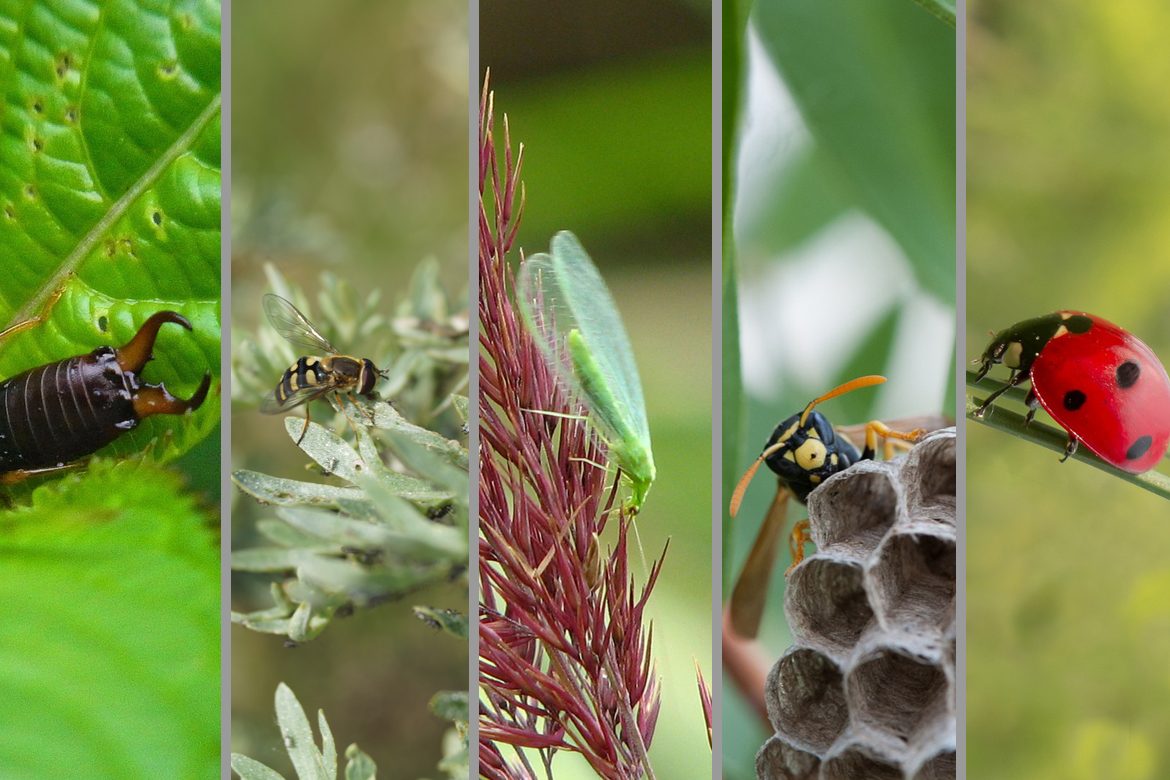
column 1070, row 449
column 305, row 427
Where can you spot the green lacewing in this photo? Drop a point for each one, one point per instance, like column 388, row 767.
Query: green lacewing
column 571, row 315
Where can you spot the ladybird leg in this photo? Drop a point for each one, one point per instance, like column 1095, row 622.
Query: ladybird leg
column 799, row 537
column 1070, row 448
column 1016, row 378
column 1033, row 403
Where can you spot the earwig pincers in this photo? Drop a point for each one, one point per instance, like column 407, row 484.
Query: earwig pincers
column 55, row 414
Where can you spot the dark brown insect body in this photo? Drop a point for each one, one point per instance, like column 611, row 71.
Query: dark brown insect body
column 313, row 377
column 55, row 414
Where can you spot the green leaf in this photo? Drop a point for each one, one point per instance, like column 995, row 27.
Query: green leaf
column 449, row 620
column 109, row 636
column 298, row 738
column 110, row 191
column 875, row 82
column 358, row 766
column 450, row 705
column 251, row 769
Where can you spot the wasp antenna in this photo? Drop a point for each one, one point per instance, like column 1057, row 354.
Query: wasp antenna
column 853, row 384
column 741, row 488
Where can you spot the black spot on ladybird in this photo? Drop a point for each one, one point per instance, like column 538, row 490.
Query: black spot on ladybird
column 1078, row 323
column 1127, row 374
column 1073, row 400
column 1138, row 448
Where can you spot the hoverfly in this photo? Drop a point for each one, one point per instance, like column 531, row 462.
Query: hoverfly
column 314, row 375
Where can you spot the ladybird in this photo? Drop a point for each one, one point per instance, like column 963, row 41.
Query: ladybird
column 1100, row 383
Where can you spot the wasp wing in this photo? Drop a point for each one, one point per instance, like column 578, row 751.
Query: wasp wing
column 302, row 395
column 294, row 326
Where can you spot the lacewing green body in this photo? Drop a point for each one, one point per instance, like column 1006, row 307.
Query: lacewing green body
column 571, row 315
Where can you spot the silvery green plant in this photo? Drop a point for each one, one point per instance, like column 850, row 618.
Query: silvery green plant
column 389, row 516
column 387, row 513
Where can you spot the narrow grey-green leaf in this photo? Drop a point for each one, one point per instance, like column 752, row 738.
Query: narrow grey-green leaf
column 297, row 735
column 358, row 766
column 250, row 769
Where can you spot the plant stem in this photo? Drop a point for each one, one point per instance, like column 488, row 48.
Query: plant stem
column 629, row 723
column 1048, row 436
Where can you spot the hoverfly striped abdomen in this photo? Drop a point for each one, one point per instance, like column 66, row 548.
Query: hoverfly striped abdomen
column 57, row 413
column 313, row 377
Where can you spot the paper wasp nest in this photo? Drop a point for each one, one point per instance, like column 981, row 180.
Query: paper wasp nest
column 868, row 688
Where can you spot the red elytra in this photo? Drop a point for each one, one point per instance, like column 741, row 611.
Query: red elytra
column 1102, row 384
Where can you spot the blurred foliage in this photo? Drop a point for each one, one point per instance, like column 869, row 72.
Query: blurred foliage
column 1068, row 205
column 612, row 102
column 350, row 143
column 841, row 242
column 112, row 575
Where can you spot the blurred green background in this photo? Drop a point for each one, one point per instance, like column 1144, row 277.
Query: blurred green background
column 612, row 101
column 839, row 253
column 349, row 154
column 1068, row 207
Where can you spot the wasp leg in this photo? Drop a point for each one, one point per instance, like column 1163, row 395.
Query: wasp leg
column 135, row 353
column 751, row 587
column 1070, row 448
column 156, row 399
column 876, row 429
column 799, row 537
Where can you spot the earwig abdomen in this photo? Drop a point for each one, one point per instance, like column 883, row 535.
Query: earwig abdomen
column 54, row 414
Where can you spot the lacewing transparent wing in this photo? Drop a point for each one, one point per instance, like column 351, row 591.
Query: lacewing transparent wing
column 571, row 315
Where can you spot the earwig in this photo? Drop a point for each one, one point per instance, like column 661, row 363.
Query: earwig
column 58, row 413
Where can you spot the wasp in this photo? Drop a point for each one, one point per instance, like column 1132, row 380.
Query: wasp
column 60, row 412
column 315, row 375
column 804, row 451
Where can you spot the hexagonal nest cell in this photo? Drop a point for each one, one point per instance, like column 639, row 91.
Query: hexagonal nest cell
column 867, row 689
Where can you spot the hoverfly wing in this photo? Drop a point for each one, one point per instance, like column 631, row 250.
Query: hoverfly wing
column 302, row 395
column 294, row 326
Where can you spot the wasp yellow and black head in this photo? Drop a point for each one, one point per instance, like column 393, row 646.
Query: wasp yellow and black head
column 804, row 450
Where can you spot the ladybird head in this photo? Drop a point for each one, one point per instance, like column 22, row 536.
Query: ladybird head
column 1017, row 347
